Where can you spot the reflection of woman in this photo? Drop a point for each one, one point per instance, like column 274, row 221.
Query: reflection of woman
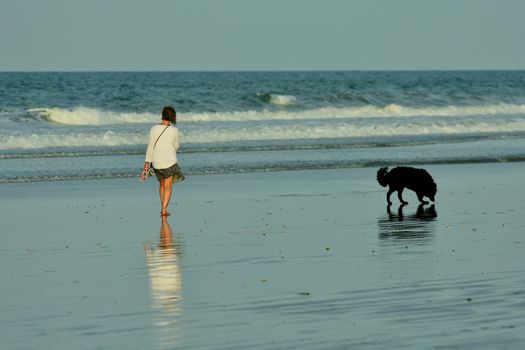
column 164, row 267
column 162, row 153
column 165, row 284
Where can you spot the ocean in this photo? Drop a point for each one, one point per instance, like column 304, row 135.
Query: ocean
column 91, row 125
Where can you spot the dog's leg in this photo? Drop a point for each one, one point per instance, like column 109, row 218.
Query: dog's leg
column 390, row 191
column 400, row 195
column 400, row 212
column 420, row 211
column 421, row 199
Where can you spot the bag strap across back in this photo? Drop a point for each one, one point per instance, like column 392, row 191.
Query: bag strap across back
column 160, row 136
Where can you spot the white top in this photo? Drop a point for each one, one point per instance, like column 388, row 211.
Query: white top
column 165, row 153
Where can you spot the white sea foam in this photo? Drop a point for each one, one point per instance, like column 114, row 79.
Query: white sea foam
column 94, row 116
column 392, row 110
column 36, row 141
column 297, row 132
column 264, row 133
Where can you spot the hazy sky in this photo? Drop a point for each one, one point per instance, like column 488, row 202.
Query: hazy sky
column 261, row 34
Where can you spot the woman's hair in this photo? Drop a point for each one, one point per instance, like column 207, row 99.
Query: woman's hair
column 168, row 113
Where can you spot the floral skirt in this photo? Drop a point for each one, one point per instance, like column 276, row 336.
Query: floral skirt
column 173, row 170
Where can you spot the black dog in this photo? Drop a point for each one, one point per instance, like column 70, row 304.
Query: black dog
column 417, row 180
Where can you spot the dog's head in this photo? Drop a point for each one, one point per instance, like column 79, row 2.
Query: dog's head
column 381, row 176
column 432, row 190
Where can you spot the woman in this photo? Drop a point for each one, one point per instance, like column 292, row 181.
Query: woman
column 162, row 153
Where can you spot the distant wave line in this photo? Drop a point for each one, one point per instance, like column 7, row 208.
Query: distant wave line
column 344, row 143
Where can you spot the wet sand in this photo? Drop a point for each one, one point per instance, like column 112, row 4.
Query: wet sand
column 286, row 260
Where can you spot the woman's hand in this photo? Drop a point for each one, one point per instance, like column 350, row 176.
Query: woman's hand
column 144, row 173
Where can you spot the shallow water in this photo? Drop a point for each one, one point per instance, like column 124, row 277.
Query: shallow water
column 71, row 126
column 310, row 260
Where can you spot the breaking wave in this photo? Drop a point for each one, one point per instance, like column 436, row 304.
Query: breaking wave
column 94, row 116
column 277, row 99
column 91, row 116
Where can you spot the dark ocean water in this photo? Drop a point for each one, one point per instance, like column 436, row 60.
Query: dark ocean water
column 60, row 126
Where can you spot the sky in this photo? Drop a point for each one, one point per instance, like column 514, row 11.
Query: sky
column 232, row 35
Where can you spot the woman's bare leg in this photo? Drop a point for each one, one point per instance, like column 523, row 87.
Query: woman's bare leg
column 161, row 191
column 166, row 195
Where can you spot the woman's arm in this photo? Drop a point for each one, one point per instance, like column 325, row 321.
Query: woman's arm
column 149, row 157
column 149, row 151
column 176, row 143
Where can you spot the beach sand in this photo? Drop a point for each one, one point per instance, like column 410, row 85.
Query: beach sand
column 283, row 260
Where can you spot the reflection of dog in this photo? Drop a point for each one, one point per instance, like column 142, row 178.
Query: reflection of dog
column 419, row 225
column 417, row 180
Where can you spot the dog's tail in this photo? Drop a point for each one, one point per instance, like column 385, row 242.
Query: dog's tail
column 382, row 176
